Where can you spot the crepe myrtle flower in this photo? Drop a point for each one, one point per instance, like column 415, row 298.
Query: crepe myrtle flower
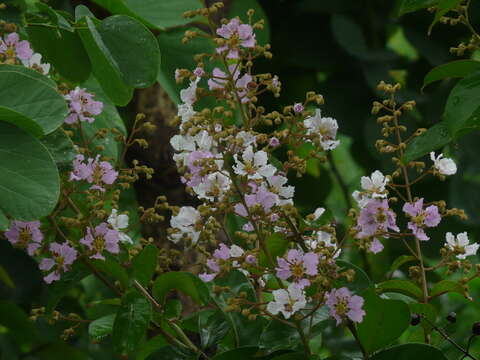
column 344, row 306
column 184, row 224
column 375, row 246
column 459, row 245
column 101, row 238
column 62, row 256
column 298, row 108
column 375, row 217
column 239, row 34
column 324, row 128
column 254, row 165
column 12, row 47
column 119, row 222
column 222, row 253
column 25, row 235
column 213, row 186
column 93, row 171
column 277, row 185
column 297, row 265
column 287, row 301
column 421, row 218
column 219, row 81
column 82, row 107
column 261, row 197
column 445, row 166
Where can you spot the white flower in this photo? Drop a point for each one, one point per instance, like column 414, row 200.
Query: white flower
column 214, row 185
column 184, row 222
column 247, row 138
column 189, row 95
column 444, row 166
column 325, row 128
column 35, row 62
column 323, row 239
column 277, row 186
column 255, row 164
column 119, row 223
column 287, row 302
column 375, row 184
column 361, row 198
column 185, row 144
column 318, row 213
column 236, row 251
column 460, row 244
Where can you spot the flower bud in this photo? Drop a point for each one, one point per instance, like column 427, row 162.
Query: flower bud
column 452, row 317
column 415, row 319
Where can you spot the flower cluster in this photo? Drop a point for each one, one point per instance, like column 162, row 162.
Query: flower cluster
column 81, row 106
column 16, row 51
column 93, row 171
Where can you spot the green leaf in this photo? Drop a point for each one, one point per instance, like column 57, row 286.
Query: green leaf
column 126, row 38
column 409, row 352
column 101, row 327
column 153, row 13
column 405, row 287
column 447, row 286
column 241, row 353
column 131, row 323
column 40, row 109
column 104, row 66
column 454, row 69
column 112, row 268
column 62, row 49
column 144, row 264
column 462, row 111
column 176, row 55
column 151, row 346
column 17, row 323
column 384, row 322
column 60, row 147
column 277, row 245
column 434, row 138
column 361, row 280
column 185, row 282
column 279, row 336
column 30, row 184
column 212, row 328
column 349, row 35
column 5, row 278
column 443, row 7
column 240, row 8
column 427, row 311
column 4, row 223
column 413, row 5
column 400, row 261
column 55, row 17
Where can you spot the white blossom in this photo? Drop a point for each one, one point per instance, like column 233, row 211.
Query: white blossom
column 375, row 184
column 119, row 222
column 444, row 166
column 214, row 185
column 460, row 243
column 325, row 128
column 236, row 251
column 184, row 222
column 287, row 301
column 35, row 62
column 284, row 192
column 254, row 165
column 318, row 213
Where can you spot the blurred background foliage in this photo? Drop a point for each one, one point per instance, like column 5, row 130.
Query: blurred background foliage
column 339, row 48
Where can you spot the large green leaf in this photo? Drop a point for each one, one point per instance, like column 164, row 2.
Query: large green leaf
column 350, row 36
column 434, row 138
column 462, row 111
column 131, row 323
column 185, row 282
column 407, row 6
column 104, row 66
column 30, row 184
column 447, row 286
column 112, row 268
column 212, row 328
column 454, row 69
column 144, row 264
column 60, row 147
column 101, row 327
column 384, row 322
column 30, row 100
column 276, row 245
column 16, row 321
column 150, row 347
column 241, row 353
column 4, row 223
column 63, row 49
column 279, row 336
column 409, row 352
column 153, row 13
column 405, row 287
column 176, row 55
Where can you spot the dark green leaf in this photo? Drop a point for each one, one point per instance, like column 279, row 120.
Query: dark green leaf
column 104, row 66
column 277, row 245
column 361, row 280
column 30, row 184
column 435, row 137
column 454, row 69
column 17, row 323
column 349, row 35
column 131, row 323
column 151, row 346
column 447, row 286
column 153, row 13
column 60, row 147
column 55, row 18
column 112, row 268
column 144, row 264
column 409, row 352
column 279, row 336
column 241, row 353
column 401, row 260
column 185, row 282
column 384, row 322
column 405, row 287
column 212, row 328
column 40, row 109
column 4, row 223
column 62, row 49
column 5, row 278
column 413, row 5
column 101, row 327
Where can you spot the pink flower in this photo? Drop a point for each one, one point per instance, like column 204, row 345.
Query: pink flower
column 93, row 171
column 297, row 107
column 243, row 32
column 26, row 235
column 12, row 47
column 343, row 305
column 297, row 265
column 82, row 106
column 421, row 218
column 63, row 255
column 194, row 165
column 198, row 72
column 274, row 142
column 262, row 197
column 376, row 246
column 101, row 238
column 221, row 255
column 375, row 217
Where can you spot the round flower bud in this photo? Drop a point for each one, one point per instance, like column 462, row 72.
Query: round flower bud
column 452, row 317
column 415, row 319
